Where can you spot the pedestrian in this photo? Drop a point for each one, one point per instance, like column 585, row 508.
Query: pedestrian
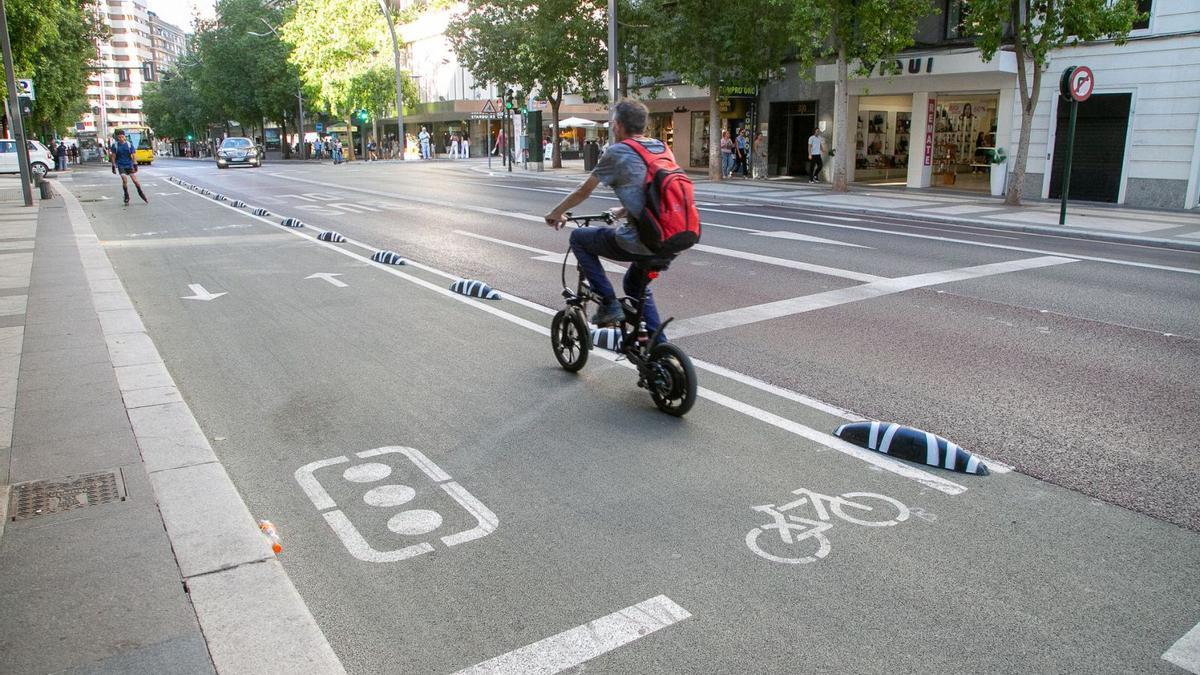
column 726, row 154
column 501, row 147
column 337, row 150
column 124, row 165
column 815, row 146
column 372, row 155
column 742, row 152
column 455, row 143
column 73, row 154
column 317, row 148
column 759, row 151
column 423, row 137
column 446, row 141
column 465, row 148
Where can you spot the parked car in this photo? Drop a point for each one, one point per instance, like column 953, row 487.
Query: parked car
column 40, row 159
column 238, row 151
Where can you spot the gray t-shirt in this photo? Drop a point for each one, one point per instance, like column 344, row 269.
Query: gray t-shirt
column 622, row 169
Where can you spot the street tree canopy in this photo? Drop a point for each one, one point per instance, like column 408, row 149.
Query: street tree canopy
column 1039, row 29
column 706, row 43
column 554, row 46
column 858, row 32
column 53, row 42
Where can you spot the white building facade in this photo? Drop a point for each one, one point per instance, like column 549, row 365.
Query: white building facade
column 933, row 117
column 115, row 90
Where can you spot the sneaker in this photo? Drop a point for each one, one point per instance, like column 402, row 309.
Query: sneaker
column 609, row 312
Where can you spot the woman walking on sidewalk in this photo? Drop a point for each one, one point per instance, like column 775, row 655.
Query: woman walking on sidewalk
column 121, row 155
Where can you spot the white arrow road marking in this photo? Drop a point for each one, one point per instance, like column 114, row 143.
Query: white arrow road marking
column 578, row 645
column 327, row 276
column 201, row 293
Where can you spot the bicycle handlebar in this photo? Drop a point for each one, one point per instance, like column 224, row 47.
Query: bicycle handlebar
column 606, row 217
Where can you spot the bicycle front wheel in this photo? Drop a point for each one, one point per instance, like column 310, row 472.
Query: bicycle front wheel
column 673, row 379
column 570, row 339
column 869, row 509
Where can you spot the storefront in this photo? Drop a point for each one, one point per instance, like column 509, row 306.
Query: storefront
column 929, row 119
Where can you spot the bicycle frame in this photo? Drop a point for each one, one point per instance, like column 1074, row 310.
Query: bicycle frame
column 632, row 347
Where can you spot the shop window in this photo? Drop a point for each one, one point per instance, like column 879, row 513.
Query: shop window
column 1143, row 7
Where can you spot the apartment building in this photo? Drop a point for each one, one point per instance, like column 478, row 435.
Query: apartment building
column 124, row 63
column 168, row 43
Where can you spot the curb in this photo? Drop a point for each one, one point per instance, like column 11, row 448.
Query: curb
column 242, row 596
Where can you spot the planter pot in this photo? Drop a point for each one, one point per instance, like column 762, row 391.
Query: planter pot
column 998, row 178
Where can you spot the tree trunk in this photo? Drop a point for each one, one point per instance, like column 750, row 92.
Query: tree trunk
column 556, row 163
column 348, row 146
column 844, row 151
column 284, row 146
column 1029, row 101
column 714, row 130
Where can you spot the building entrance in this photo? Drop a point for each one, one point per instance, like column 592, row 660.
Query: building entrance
column 788, row 129
column 1100, row 129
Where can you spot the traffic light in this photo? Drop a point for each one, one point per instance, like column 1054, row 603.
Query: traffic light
column 189, row 137
column 508, row 99
column 363, row 116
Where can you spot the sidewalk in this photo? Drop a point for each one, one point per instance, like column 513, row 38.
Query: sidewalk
column 1170, row 229
column 124, row 547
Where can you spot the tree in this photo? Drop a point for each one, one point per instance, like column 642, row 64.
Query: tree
column 1039, row 28
column 860, row 31
column 173, row 107
column 708, row 43
column 343, row 53
column 555, row 46
column 53, row 42
column 243, row 70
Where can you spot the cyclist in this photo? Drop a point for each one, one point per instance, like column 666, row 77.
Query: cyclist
column 121, row 155
column 622, row 169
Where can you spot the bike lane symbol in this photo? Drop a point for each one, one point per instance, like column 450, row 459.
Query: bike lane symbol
column 798, row 536
column 411, row 522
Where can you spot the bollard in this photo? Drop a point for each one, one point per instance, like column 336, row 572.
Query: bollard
column 44, row 186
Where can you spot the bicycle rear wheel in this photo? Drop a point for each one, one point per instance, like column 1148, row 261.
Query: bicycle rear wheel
column 570, row 339
column 673, row 379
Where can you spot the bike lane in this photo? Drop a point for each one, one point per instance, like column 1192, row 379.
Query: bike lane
column 576, row 499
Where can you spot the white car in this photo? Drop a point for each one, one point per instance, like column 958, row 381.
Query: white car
column 40, row 159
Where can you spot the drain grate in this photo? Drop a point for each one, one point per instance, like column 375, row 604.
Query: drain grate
column 43, row 497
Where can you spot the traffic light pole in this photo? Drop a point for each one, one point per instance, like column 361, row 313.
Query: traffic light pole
column 387, row 14
column 15, row 118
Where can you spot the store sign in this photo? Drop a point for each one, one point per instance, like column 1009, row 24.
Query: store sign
column 930, row 119
column 900, row 67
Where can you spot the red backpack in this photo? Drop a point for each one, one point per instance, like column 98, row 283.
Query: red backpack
column 670, row 222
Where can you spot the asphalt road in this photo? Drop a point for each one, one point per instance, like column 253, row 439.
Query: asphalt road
column 549, row 501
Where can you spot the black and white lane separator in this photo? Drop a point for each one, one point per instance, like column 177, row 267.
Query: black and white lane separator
column 220, row 197
column 607, row 338
column 911, row 444
column 261, row 212
column 330, row 235
column 291, row 222
column 238, row 203
column 474, row 289
column 387, row 257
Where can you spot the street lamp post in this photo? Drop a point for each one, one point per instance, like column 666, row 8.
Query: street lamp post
column 387, row 15
column 612, row 48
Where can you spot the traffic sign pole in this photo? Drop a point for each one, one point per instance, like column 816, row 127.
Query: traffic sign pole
column 1066, row 181
column 17, row 120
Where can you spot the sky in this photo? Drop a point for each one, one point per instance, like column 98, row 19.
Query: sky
column 179, row 12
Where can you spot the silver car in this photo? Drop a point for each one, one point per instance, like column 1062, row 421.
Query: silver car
column 238, row 151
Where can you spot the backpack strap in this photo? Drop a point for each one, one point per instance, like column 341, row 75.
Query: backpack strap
column 647, row 156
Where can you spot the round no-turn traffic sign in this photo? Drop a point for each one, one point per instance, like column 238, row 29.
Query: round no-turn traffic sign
column 1082, row 83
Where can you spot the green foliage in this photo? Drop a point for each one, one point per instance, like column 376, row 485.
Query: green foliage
column 1039, row 27
column 705, row 41
column 242, row 76
column 344, row 55
column 554, row 46
column 173, row 106
column 864, row 30
column 1047, row 25
column 53, row 43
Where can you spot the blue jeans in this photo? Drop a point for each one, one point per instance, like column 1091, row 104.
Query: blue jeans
column 589, row 244
column 726, row 163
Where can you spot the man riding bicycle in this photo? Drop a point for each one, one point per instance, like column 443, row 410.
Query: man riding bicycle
column 623, row 169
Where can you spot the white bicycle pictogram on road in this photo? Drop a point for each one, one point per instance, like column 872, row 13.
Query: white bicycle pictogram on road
column 798, row 535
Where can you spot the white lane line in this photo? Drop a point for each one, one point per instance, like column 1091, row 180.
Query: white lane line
column 832, row 442
column 1185, row 653
column 785, row 234
column 543, row 254
column 807, row 303
column 578, row 645
column 792, row 264
column 968, row 242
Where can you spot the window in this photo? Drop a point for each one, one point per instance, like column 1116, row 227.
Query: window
column 8, row 146
column 956, row 19
column 1143, row 7
column 123, row 74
